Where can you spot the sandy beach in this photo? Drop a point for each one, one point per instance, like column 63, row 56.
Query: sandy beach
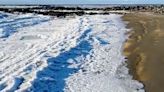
column 145, row 49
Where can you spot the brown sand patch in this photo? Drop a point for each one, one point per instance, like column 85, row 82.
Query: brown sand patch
column 145, row 50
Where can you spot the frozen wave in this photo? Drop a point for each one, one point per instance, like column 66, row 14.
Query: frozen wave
column 10, row 25
column 104, row 68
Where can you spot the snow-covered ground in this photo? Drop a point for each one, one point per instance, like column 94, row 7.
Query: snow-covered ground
column 80, row 54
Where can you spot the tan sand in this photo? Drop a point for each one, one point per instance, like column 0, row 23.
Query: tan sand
column 145, row 49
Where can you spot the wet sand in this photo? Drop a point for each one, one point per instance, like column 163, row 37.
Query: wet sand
column 145, row 49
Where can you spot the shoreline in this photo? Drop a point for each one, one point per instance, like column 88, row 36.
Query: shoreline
column 143, row 49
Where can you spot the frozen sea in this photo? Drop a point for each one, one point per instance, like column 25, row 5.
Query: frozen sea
column 73, row 54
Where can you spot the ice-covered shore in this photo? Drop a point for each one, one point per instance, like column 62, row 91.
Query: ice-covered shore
column 81, row 54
